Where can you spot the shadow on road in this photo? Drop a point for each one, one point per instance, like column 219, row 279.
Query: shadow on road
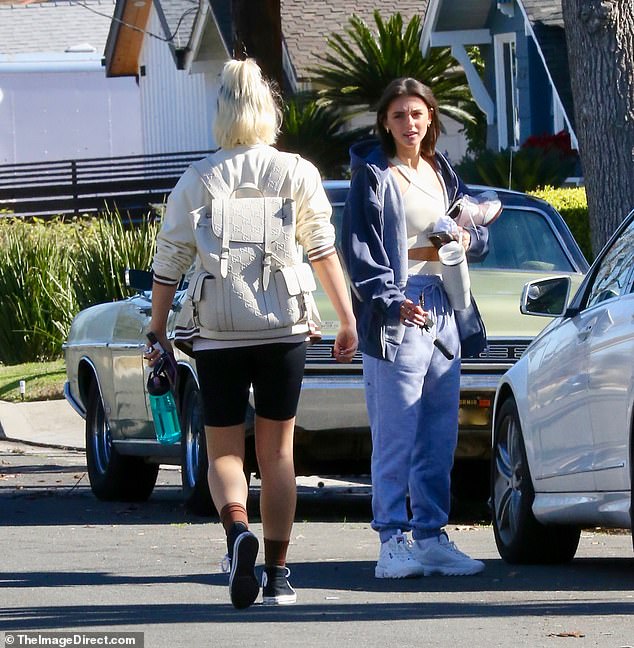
column 583, row 575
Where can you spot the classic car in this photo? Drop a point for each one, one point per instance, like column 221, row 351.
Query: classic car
column 563, row 444
column 107, row 378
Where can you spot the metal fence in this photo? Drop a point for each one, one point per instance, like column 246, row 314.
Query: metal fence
column 130, row 183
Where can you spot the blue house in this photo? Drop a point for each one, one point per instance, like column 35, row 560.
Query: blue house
column 525, row 88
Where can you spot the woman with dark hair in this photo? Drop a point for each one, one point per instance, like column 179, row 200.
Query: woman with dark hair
column 230, row 362
column 401, row 189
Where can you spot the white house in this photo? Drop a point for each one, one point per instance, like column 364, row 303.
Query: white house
column 55, row 99
column 177, row 53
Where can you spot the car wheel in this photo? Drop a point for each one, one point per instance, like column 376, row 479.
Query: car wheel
column 519, row 537
column 113, row 476
column 194, row 462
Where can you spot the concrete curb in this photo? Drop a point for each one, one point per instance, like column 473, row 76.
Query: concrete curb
column 52, row 424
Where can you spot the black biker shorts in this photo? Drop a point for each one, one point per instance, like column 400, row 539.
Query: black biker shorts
column 275, row 372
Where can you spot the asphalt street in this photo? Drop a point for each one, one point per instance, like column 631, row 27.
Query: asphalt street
column 73, row 563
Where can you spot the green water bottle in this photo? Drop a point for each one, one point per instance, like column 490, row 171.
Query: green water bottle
column 162, row 403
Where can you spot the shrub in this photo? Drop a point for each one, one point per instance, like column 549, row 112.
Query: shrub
column 111, row 244
column 523, row 170
column 37, row 289
column 543, row 160
column 571, row 203
column 51, row 270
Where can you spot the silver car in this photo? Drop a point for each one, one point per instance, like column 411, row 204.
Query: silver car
column 563, row 444
column 107, row 378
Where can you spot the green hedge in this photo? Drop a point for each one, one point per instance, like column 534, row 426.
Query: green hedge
column 50, row 270
column 571, row 203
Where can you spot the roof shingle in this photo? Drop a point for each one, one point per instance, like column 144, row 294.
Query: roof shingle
column 306, row 24
column 54, row 26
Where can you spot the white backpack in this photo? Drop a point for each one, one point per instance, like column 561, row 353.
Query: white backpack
column 253, row 282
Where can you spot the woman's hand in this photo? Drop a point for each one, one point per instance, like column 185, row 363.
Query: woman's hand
column 464, row 238
column 346, row 344
column 412, row 314
column 152, row 354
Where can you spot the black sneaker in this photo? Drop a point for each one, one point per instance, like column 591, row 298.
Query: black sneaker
column 243, row 584
column 276, row 590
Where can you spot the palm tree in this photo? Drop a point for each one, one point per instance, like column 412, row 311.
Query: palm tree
column 316, row 131
column 359, row 67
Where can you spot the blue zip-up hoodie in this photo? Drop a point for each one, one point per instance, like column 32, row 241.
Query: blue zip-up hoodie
column 374, row 246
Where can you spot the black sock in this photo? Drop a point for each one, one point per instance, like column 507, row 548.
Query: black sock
column 234, row 531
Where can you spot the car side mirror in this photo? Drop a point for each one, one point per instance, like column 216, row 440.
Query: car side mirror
column 140, row 280
column 545, row 297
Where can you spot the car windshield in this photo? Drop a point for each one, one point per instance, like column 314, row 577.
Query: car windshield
column 523, row 240
column 520, row 239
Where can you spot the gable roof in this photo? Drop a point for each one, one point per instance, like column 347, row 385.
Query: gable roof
column 179, row 16
column 54, row 27
column 125, row 39
column 466, row 22
column 307, row 23
column 177, row 19
column 545, row 11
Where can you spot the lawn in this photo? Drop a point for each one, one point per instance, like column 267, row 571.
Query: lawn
column 42, row 381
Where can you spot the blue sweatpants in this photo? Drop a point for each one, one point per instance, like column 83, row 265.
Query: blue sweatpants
column 413, row 410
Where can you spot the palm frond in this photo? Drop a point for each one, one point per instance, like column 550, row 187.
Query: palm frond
column 359, row 65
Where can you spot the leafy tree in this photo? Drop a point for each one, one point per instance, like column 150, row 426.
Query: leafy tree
column 316, row 131
column 361, row 64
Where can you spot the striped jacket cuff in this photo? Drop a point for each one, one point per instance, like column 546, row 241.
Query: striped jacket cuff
column 165, row 281
column 321, row 252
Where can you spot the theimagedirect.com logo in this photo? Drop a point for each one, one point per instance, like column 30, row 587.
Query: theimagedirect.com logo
column 63, row 639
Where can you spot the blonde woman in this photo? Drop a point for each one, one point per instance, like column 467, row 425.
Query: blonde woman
column 246, row 127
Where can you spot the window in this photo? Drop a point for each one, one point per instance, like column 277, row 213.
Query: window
column 524, row 240
column 507, row 94
column 613, row 275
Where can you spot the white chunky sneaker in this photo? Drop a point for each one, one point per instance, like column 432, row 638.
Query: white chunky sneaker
column 395, row 559
column 482, row 209
column 440, row 556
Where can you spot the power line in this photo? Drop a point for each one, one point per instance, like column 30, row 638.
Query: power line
column 169, row 39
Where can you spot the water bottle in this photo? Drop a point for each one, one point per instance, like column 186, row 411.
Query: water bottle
column 162, row 403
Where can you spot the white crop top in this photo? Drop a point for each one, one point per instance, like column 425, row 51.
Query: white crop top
column 423, row 207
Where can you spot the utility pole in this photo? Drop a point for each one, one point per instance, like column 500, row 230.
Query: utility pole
column 257, row 34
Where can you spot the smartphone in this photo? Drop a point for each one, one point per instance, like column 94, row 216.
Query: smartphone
column 454, row 210
column 438, row 239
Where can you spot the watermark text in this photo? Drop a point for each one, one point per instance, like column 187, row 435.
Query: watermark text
column 63, row 639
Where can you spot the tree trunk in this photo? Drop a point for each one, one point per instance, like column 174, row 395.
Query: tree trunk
column 600, row 37
column 257, row 34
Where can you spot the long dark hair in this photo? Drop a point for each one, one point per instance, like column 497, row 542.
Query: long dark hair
column 407, row 87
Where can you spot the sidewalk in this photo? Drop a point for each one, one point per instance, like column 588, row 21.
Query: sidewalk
column 53, row 424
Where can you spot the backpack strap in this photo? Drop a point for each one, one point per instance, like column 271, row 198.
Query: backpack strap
column 271, row 184
column 272, row 180
column 276, row 172
column 212, row 178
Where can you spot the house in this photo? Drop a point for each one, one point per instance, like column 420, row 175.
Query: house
column 55, row 100
column 525, row 89
column 179, row 57
column 162, row 59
